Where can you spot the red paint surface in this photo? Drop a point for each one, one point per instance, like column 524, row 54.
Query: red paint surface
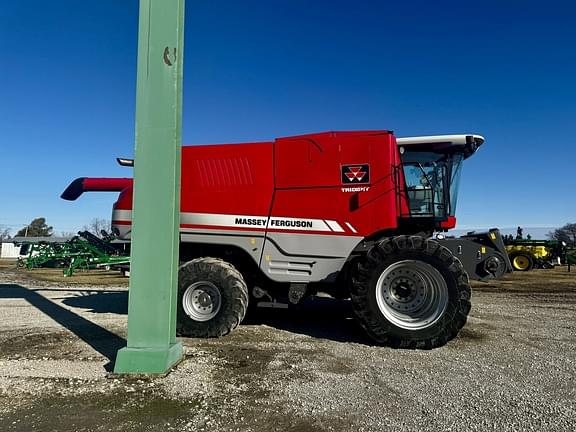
column 449, row 223
column 91, row 184
column 296, row 177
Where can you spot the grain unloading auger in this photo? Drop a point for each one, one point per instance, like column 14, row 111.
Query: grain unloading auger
column 348, row 213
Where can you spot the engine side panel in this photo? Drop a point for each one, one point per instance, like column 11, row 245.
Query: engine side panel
column 228, row 179
column 249, row 241
column 304, row 257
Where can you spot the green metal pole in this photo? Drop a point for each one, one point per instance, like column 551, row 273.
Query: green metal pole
column 152, row 346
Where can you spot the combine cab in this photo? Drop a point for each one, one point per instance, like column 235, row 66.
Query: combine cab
column 348, row 213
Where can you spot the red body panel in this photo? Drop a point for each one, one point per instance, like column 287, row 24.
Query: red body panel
column 227, row 179
column 298, row 177
column 448, row 223
column 309, row 183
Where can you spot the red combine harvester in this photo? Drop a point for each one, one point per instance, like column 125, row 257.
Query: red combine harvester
column 347, row 213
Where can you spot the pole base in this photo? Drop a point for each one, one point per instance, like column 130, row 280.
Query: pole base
column 148, row 360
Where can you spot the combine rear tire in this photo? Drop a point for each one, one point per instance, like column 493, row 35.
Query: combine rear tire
column 411, row 292
column 521, row 261
column 212, row 298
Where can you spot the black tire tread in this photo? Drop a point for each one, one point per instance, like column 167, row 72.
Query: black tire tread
column 376, row 326
column 234, row 294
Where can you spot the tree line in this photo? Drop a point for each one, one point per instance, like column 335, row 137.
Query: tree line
column 39, row 228
column 567, row 234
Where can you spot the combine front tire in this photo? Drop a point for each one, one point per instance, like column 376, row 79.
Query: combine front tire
column 521, row 261
column 212, row 298
column 411, row 292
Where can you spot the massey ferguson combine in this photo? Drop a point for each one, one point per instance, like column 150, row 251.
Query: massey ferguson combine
column 347, row 213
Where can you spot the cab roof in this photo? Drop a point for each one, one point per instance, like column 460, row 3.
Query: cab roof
column 466, row 143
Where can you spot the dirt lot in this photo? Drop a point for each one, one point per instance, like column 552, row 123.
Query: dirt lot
column 512, row 368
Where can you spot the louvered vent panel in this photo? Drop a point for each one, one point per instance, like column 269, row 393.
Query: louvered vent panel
column 224, row 173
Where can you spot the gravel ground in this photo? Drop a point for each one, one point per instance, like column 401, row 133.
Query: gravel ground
column 512, row 368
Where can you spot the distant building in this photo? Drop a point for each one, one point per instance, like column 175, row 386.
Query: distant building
column 9, row 250
column 51, row 239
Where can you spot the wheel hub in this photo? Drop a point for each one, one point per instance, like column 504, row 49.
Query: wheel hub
column 411, row 294
column 201, row 301
column 521, row 262
column 405, row 290
column 402, row 290
column 492, row 264
column 204, row 300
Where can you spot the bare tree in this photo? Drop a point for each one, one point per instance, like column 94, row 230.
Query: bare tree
column 96, row 226
column 67, row 234
column 5, row 234
column 566, row 234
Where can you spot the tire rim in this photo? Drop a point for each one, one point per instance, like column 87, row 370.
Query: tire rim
column 411, row 294
column 201, row 301
column 521, row 262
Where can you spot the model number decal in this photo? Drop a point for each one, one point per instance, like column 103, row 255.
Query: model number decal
column 356, row 189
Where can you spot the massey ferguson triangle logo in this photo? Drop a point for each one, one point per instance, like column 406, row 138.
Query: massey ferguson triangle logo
column 355, row 173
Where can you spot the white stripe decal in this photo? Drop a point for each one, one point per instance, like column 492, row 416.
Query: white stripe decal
column 245, row 221
column 351, row 227
column 335, row 226
column 225, row 220
column 122, row 215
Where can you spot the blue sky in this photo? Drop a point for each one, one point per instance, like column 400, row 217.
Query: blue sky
column 256, row 70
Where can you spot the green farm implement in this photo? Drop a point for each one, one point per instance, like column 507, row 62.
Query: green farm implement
column 526, row 254
column 82, row 252
column 571, row 258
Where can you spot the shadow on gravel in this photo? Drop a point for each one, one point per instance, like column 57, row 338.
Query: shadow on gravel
column 102, row 340
column 319, row 317
column 115, row 302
